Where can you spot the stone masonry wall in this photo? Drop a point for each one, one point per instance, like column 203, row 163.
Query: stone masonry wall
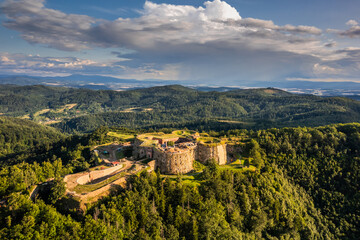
column 138, row 152
column 91, row 176
column 174, row 162
column 207, row 152
column 233, row 151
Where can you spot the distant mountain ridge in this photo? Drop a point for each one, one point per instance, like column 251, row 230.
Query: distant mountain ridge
column 81, row 81
column 111, row 83
column 83, row 110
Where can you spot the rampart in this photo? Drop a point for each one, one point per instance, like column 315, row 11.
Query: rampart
column 216, row 151
column 93, row 175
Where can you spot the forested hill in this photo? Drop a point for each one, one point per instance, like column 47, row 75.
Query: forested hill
column 304, row 185
column 19, row 135
column 82, row 110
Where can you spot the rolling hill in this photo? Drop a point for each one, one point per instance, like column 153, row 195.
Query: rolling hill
column 19, row 135
column 172, row 106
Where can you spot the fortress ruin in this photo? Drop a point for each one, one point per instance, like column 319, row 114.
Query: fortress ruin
column 175, row 153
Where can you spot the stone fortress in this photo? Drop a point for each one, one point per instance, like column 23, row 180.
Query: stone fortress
column 175, row 153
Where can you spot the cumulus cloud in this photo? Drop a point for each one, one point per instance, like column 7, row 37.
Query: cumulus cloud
column 216, row 10
column 220, row 10
column 212, row 41
column 352, row 22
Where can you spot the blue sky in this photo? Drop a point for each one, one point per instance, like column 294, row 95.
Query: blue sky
column 216, row 42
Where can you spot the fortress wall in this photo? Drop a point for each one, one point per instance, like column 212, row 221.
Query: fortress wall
column 138, row 152
column 97, row 174
column 152, row 165
column 217, row 152
column 233, row 150
column 174, row 162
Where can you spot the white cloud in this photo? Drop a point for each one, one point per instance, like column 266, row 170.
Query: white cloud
column 218, row 10
column 352, row 22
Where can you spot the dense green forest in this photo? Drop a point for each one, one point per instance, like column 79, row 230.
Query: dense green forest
column 306, row 186
column 82, row 110
column 18, row 135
